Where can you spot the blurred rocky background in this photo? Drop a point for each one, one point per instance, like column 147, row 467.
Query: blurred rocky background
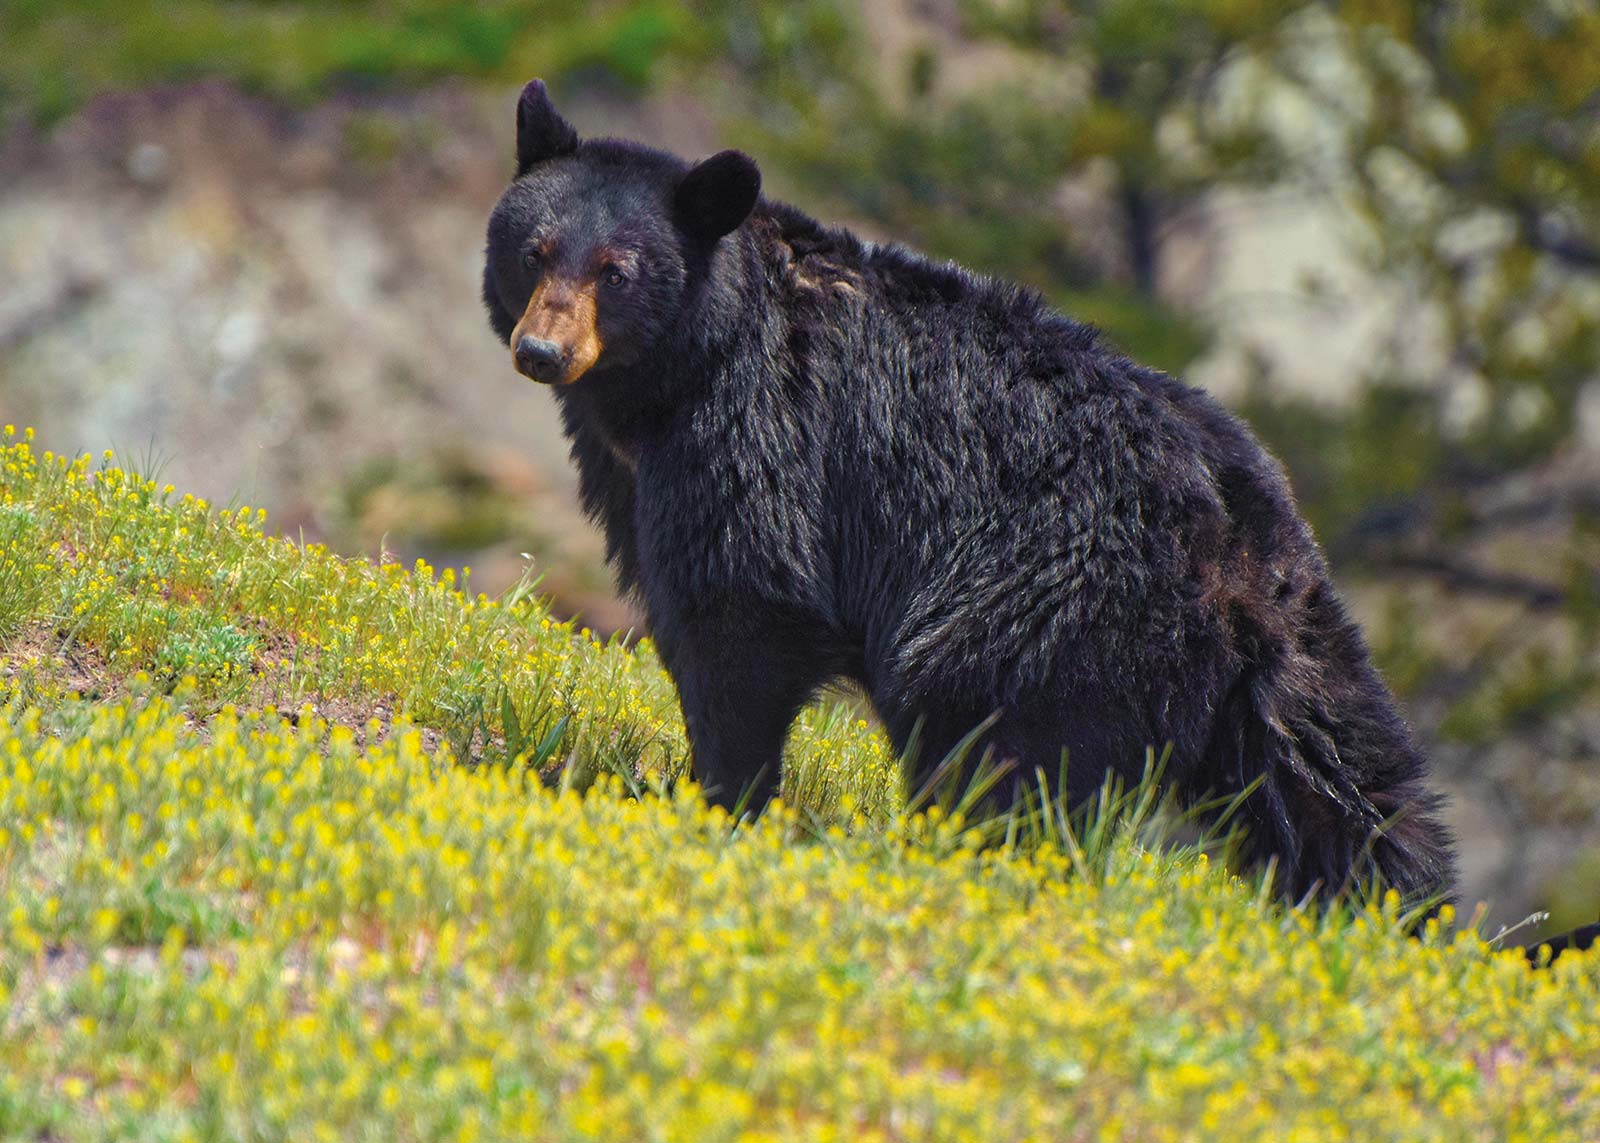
column 239, row 243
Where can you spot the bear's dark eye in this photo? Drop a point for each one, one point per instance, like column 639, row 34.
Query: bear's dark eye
column 615, row 278
column 532, row 258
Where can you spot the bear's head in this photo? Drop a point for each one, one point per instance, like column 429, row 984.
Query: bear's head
column 596, row 244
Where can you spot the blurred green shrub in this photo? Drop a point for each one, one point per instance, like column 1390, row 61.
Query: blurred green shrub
column 60, row 52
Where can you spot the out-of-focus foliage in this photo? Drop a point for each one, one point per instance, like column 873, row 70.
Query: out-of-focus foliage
column 1144, row 99
column 1469, row 141
column 57, row 54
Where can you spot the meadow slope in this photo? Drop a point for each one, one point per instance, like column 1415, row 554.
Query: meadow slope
column 295, row 847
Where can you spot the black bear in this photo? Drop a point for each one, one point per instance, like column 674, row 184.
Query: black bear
column 817, row 457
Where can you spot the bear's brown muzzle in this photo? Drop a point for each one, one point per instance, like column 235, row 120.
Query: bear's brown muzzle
column 556, row 341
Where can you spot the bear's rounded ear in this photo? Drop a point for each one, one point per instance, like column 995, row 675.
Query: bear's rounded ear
column 541, row 133
column 717, row 194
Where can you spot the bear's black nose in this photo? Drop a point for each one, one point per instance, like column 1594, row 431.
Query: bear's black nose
column 542, row 360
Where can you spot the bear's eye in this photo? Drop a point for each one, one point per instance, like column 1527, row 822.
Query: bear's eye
column 615, row 278
column 532, row 257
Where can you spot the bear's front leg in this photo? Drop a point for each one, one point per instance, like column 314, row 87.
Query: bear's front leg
column 742, row 676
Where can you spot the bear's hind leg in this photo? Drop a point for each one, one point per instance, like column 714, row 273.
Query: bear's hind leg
column 946, row 750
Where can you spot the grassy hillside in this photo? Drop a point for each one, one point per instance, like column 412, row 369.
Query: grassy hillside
column 390, row 914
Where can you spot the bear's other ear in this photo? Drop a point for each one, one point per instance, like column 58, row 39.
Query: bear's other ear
column 541, row 133
column 717, row 194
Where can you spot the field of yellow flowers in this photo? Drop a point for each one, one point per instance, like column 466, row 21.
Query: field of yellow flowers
column 301, row 848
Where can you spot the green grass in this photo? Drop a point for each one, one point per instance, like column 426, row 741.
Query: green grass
column 145, row 581
column 227, row 917
column 60, row 52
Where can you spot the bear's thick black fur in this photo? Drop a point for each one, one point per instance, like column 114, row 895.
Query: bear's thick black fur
column 817, row 457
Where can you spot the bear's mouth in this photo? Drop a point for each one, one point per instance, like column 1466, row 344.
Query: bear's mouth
column 556, row 341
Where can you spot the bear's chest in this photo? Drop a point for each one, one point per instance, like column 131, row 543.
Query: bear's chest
column 729, row 508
